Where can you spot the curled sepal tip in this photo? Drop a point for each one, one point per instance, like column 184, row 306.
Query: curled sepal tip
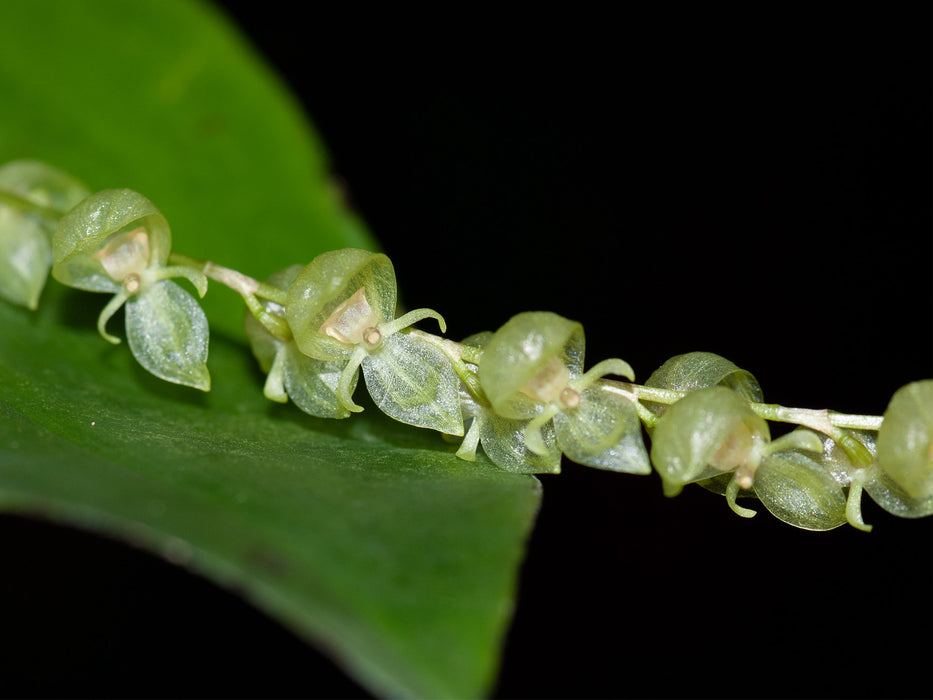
column 732, row 493
column 348, row 379
column 107, row 313
column 168, row 335
column 854, row 502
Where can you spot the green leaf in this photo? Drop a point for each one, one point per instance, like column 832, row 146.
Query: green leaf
column 365, row 536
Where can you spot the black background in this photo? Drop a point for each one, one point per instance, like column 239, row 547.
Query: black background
column 751, row 182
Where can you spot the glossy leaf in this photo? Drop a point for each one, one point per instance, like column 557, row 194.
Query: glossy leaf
column 364, row 536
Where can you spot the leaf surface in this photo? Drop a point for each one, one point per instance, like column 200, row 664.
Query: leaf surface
column 366, row 536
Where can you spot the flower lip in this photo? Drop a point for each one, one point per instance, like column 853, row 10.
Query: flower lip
column 352, row 320
column 125, row 254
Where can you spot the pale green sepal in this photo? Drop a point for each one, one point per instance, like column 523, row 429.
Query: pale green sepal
column 732, row 492
column 411, row 380
column 799, row 491
column 905, row 439
column 274, row 388
column 25, row 257
column 467, row 449
column 116, row 301
column 503, row 441
column 893, row 499
column 312, row 384
column 168, row 334
column 348, row 379
column 603, row 431
column 698, row 370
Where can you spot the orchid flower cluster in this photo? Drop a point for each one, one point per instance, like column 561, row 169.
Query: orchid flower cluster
column 522, row 393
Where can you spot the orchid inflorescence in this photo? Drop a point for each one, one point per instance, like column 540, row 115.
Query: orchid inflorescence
column 522, row 393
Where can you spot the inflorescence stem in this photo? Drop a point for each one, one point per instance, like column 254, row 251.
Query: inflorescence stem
column 247, row 287
column 821, row 420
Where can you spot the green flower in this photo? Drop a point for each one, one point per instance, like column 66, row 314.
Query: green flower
column 341, row 308
column 116, row 241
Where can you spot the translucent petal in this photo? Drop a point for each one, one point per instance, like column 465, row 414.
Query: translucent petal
column 100, row 221
column 326, row 284
column 603, row 431
column 905, row 440
column 25, row 256
column 503, row 441
column 799, row 491
column 698, row 370
column 312, row 384
column 412, row 381
column 168, row 334
column 524, row 361
column 708, row 431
